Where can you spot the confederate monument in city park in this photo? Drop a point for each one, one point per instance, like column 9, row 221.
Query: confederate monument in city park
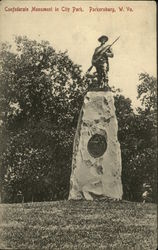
column 96, row 161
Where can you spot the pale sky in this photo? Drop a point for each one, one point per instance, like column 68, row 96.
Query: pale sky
column 77, row 32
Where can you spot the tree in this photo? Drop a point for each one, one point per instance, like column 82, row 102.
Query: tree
column 147, row 93
column 137, row 136
column 40, row 93
column 128, row 142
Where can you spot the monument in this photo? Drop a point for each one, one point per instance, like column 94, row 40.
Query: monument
column 96, row 161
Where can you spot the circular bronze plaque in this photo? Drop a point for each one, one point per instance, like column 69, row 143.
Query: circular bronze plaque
column 97, row 145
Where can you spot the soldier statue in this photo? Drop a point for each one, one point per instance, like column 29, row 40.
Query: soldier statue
column 100, row 60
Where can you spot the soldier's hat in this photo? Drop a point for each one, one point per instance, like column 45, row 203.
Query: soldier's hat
column 103, row 38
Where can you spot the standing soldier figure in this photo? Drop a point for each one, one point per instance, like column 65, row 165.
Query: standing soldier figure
column 101, row 62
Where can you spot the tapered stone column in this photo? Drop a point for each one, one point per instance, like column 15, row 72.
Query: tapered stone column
column 96, row 163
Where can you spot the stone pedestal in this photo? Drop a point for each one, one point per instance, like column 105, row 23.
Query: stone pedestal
column 96, row 163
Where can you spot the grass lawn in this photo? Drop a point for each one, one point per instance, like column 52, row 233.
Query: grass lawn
column 78, row 225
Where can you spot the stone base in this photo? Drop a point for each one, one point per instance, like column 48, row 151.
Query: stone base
column 96, row 163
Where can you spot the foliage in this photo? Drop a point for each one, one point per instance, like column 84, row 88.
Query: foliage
column 147, row 93
column 137, row 136
column 41, row 93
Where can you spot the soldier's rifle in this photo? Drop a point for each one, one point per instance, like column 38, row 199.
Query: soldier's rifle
column 101, row 53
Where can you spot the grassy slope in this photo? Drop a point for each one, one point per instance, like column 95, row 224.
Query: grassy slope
column 78, row 225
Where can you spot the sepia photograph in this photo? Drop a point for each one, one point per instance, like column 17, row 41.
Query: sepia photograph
column 78, row 125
